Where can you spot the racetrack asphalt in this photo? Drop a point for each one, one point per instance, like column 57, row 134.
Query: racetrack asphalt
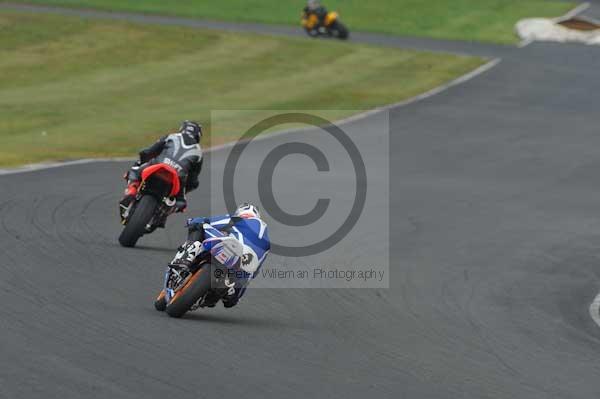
column 594, row 10
column 493, row 232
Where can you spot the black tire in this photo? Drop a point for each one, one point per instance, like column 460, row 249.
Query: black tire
column 136, row 226
column 341, row 32
column 194, row 289
column 312, row 32
column 160, row 303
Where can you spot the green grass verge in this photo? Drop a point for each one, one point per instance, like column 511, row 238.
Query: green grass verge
column 74, row 88
column 483, row 20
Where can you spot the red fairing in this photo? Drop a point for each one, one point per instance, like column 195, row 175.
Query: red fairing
column 164, row 172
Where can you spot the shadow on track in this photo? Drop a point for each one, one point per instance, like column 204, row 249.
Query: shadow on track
column 155, row 249
column 245, row 321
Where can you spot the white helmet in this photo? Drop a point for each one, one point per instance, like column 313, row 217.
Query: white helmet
column 312, row 4
column 246, row 211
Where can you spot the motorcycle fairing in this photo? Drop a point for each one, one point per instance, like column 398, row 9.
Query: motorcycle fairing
column 331, row 17
column 226, row 250
column 164, row 169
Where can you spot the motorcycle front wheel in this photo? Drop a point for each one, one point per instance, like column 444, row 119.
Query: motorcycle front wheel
column 312, row 32
column 340, row 31
column 136, row 226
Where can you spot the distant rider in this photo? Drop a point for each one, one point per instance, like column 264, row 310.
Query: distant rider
column 245, row 225
column 180, row 150
column 315, row 7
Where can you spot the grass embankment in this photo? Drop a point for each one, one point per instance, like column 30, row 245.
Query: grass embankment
column 73, row 88
column 482, row 20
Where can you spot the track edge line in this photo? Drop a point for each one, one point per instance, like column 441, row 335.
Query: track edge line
column 420, row 97
column 595, row 310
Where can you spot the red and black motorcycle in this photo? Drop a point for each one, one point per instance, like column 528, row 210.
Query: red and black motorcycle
column 153, row 203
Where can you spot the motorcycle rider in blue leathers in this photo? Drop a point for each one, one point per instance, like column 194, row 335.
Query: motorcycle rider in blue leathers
column 245, row 225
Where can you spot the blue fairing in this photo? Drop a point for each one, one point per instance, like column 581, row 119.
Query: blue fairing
column 252, row 232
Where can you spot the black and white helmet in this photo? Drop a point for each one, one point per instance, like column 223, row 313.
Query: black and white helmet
column 313, row 4
column 191, row 128
column 246, row 211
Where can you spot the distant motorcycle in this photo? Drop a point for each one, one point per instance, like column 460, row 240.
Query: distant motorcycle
column 206, row 279
column 331, row 25
column 154, row 202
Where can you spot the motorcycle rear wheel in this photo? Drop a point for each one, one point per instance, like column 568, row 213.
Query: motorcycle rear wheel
column 340, row 31
column 195, row 288
column 136, row 226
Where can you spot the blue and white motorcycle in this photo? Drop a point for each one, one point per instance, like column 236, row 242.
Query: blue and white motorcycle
column 200, row 272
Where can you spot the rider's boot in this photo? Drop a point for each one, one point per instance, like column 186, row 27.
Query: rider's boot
column 162, row 222
column 132, row 176
column 180, row 205
column 130, row 193
column 180, row 201
column 210, row 300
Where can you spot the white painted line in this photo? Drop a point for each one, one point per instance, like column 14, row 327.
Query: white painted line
column 595, row 310
column 577, row 10
column 437, row 90
column 51, row 165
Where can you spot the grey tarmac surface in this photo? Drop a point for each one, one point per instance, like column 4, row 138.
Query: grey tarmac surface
column 594, row 10
column 494, row 243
